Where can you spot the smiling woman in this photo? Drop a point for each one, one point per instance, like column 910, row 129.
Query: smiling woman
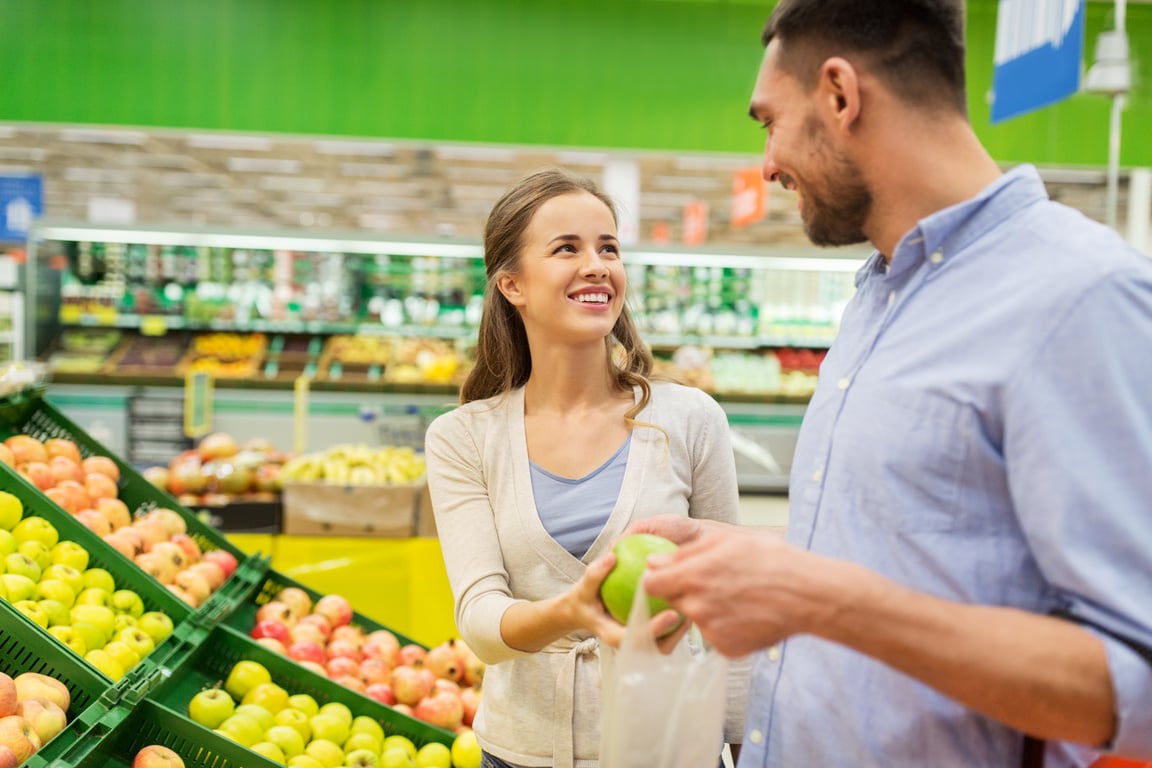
column 560, row 443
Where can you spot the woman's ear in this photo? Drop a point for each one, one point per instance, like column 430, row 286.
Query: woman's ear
column 507, row 285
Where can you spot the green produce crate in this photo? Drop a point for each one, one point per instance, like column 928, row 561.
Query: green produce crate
column 209, row 663
column 24, row 647
column 243, row 615
column 30, row 414
column 114, row 740
column 124, row 572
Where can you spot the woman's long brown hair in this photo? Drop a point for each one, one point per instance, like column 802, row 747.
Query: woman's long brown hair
column 503, row 358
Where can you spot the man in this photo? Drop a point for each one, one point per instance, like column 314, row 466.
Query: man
column 969, row 551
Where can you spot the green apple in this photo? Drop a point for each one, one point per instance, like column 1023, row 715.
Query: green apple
column 33, row 611
column 242, row 730
column 244, row 676
column 71, row 554
column 340, row 710
column 70, row 637
column 294, row 718
column 267, row 695
column 367, row 741
column 125, row 656
column 94, row 596
column 124, row 621
column 329, row 728
column 98, row 578
column 92, row 635
column 136, row 639
column 396, row 757
column 56, row 611
column 619, row 587
column 19, row 587
column 66, row 573
column 304, row 703
column 328, row 753
column 19, row 564
column 268, row 750
column 8, row 543
column 11, row 510
column 396, row 740
column 105, row 663
column 57, row 591
column 127, row 601
column 466, row 750
column 3, row 586
column 304, row 761
column 97, row 615
column 362, row 758
column 434, row 755
column 156, row 623
column 211, row 707
column 365, row 724
column 256, row 714
column 36, row 529
column 287, row 738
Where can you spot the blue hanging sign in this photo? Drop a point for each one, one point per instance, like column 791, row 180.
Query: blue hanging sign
column 21, row 202
column 1039, row 49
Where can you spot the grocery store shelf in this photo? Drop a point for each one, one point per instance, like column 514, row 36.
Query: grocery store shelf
column 672, row 341
column 175, row 323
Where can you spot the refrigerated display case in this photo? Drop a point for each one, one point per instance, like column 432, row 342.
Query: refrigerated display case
column 375, row 322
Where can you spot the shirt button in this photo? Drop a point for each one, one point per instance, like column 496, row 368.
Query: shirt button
column 756, row 736
column 818, row 475
column 844, row 382
column 936, row 257
column 774, row 653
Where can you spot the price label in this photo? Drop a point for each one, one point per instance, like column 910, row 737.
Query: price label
column 300, row 390
column 197, row 404
column 70, row 314
column 153, row 325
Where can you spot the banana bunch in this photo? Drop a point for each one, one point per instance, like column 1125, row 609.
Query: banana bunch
column 356, row 464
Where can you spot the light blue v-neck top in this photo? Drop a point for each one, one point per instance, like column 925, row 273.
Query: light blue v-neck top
column 575, row 510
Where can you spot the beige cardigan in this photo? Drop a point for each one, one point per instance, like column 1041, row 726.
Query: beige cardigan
column 543, row 709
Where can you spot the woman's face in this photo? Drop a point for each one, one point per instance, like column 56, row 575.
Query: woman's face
column 571, row 283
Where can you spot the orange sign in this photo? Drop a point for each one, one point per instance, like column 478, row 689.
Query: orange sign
column 695, row 222
column 749, row 197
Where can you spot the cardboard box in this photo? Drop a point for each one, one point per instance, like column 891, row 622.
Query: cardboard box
column 320, row 509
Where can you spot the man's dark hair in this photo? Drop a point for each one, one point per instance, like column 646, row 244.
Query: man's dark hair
column 915, row 47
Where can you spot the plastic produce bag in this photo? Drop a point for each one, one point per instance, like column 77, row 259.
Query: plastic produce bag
column 660, row 710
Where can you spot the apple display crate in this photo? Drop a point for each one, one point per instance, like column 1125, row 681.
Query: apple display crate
column 24, row 647
column 125, row 573
column 257, row 588
column 114, row 740
column 30, row 414
column 208, row 663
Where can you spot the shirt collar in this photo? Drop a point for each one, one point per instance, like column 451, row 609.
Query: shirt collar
column 950, row 230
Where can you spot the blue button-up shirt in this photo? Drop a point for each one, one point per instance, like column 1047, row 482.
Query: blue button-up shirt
column 982, row 432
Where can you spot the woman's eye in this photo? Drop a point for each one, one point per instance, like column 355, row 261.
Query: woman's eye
column 611, row 250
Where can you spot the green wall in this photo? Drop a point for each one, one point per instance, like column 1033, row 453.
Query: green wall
column 658, row 74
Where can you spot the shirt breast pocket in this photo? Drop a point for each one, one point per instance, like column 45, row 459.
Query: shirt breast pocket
column 904, row 452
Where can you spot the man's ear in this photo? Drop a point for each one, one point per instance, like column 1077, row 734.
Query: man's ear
column 506, row 284
column 839, row 92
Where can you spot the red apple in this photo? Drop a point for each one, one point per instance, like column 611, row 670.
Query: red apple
column 382, row 645
column 45, row 717
column 335, row 609
column 32, row 685
column 353, row 682
column 8, row 458
column 412, row 653
column 210, row 571
column 7, row 696
column 100, row 486
column 38, row 473
column 344, row 649
column 26, row 448
column 189, row 545
column 101, row 465
column 277, row 611
column 169, row 519
column 273, row 629
column 218, row 445
column 340, row 666
column 157, row 756
column 304, row 650
column 375, row 671
column 319, row 622
column 272, row 644
column 115, row 511
column 411, row 684
column 195, row 584
column 158, row 476
column 308, row 633
column 222, row 558
column 382, row 692
column 470, row 699
column 19, row 736
column 296, row 599
column 349, row 634
column 442, row 709
column 314, row 667
column 64, row 468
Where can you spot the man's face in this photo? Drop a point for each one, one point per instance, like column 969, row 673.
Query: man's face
column 800, row 152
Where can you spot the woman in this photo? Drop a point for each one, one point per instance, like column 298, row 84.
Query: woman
column 560, row 442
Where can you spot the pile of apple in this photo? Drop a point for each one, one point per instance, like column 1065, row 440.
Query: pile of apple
column 155, row 540
column 440, row 686
column 220, row 470
column 33, row 709
column 159, row 543
column 293, row 729
column 49, row 581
